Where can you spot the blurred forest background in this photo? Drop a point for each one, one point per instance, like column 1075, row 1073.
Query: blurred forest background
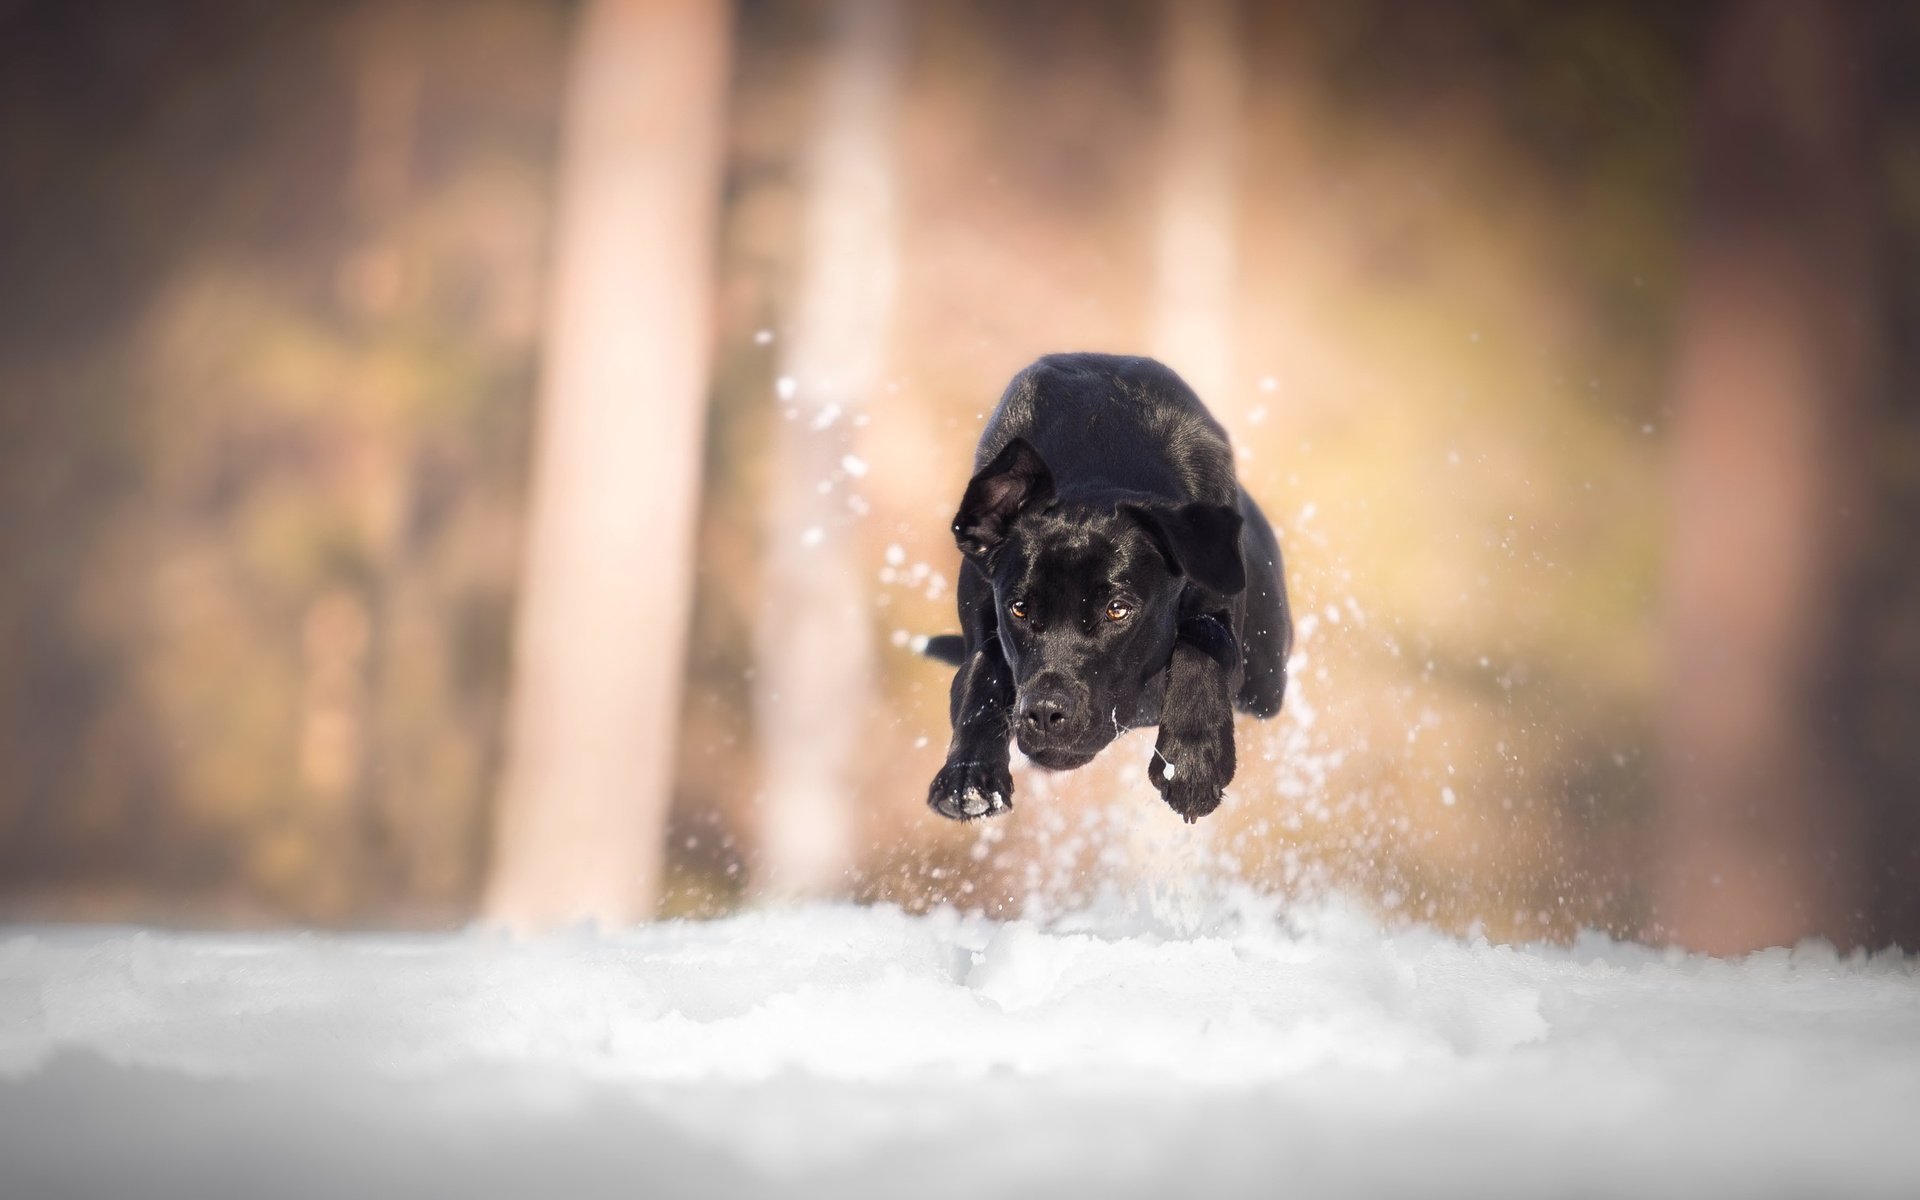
column 1569, row 345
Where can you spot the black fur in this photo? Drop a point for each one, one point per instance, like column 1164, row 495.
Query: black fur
column 949, row 648
column 1113, row 575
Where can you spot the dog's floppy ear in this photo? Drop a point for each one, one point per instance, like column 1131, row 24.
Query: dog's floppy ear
column 1200, row 541
column 1015, row 480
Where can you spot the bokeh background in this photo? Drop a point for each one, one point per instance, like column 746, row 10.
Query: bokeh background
column 490, row 460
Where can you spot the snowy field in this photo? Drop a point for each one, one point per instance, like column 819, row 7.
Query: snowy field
column 837, row 1051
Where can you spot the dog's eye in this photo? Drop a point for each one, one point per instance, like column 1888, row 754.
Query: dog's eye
column 1118, row 610
column 1017, row 610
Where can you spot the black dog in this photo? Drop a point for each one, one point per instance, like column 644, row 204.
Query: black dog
column 1114, row 576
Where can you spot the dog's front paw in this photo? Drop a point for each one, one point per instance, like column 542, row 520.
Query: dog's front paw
column 969, row 789
column 1191, row 773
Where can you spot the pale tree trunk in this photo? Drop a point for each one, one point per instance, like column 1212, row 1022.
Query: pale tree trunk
column 1758, row 836
column 1194, row 246
column 814, row 687
column 605, row 598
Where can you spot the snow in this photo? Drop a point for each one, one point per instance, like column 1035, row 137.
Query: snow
column 1167, row 1044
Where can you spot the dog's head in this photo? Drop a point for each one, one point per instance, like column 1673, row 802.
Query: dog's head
column 1087, row 597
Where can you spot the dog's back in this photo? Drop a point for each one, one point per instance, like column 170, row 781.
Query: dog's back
column 1110, row 422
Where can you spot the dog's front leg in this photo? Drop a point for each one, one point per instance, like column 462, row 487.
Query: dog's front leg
column 977, row 781
column 1193, row 758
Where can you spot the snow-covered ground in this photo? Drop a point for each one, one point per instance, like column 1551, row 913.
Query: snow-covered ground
column 836, row 1051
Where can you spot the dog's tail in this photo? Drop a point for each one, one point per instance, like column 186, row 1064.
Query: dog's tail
column 949, row 648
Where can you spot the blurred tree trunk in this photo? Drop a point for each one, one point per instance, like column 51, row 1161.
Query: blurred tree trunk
column 814, row 688
column 1759, row 837
column 1202, row 85
column 604, row 603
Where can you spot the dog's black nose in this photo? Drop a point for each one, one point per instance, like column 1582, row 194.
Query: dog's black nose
column 1046, row 712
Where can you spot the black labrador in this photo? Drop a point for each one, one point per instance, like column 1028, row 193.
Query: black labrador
column 1114, row 576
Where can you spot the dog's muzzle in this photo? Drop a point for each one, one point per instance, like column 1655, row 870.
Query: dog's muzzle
column 1050, row 725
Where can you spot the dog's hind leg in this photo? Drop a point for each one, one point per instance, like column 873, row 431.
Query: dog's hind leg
column 1266, row 632
column 949, row 648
